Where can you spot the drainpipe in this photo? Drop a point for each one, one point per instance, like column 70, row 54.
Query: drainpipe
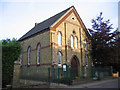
column 65, row 45
column 82, row 69
column 80, row 45
column 51, row 47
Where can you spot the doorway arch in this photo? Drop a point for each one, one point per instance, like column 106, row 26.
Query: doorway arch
column 75, row 65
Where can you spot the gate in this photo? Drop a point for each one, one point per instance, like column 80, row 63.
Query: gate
column 57, row 75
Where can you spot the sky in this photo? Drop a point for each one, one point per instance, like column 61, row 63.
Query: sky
column 17, row 17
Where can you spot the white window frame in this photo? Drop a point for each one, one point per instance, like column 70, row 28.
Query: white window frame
column 38, row 54
column 59, row 59
column 29, row 52
column 76, row 43
column 59, row 39
column 72, row 42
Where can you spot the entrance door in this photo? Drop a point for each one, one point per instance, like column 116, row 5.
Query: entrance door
column 75, row 66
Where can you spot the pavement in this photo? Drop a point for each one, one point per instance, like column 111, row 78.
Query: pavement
column 111, row 83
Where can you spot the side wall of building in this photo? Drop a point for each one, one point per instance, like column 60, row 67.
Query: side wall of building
column 44, row 40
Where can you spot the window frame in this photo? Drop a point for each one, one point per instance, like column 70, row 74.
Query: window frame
column 38, row 53
column 59, row 59
column 59, row 38
column 76, row 42
column 28, row 55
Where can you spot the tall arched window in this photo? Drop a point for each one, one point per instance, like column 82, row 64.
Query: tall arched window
column 59, row 38
column 72, row 42
column 29, row 50
column 38, row 54
column 76, row 42
column 59, row 58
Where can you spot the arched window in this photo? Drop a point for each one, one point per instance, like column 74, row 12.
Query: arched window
column 29, row 50
column 59, row 58
column 38, row 54
column 72, row 42
column 59, row 38
column 76, row 42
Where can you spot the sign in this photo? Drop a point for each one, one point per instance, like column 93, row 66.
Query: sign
column 64, row 67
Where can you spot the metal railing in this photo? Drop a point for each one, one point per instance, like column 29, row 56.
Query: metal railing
column 49, row 75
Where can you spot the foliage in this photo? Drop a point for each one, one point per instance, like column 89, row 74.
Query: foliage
column 103, row 41
column 116, row 52
column 11, row 50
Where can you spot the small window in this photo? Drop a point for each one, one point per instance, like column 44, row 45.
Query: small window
column 59, row 58
column 76, row 42
column 29, row 51
column 38, row 54
column 74, row 32
column 72, row 18
column 59, row 39
column 72, row 42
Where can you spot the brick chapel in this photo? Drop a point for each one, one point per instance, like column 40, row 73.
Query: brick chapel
column 61, row 39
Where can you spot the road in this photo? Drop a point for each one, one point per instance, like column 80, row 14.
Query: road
column 112, row 83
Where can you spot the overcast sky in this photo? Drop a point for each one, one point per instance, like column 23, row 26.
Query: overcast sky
column 17, row 17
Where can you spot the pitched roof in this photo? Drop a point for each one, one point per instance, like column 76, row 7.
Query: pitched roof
column 44, row 25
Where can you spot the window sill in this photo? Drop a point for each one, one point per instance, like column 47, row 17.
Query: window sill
column 59, row 65
column 28, row 65
column 38, row 64
column 59, row 45
column 72, row 48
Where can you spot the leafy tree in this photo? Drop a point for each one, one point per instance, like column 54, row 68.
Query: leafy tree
column 103, row 41
column 11, row 50
column 116, row 52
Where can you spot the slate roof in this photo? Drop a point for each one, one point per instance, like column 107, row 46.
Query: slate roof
column 44, row 25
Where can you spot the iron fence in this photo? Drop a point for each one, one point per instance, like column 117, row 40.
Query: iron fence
column 45, row 76
column 57, row 75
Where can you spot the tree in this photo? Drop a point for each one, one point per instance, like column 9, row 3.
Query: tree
column 103, row 41
column 11, row 50
column 116, row 52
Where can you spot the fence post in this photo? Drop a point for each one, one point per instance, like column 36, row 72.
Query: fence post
column 70, row 76
column 49, row 76
column 58, row 76
column 98, row 73
column 92, row 73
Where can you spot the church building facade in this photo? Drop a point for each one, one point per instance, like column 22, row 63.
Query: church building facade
column 61, row 39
